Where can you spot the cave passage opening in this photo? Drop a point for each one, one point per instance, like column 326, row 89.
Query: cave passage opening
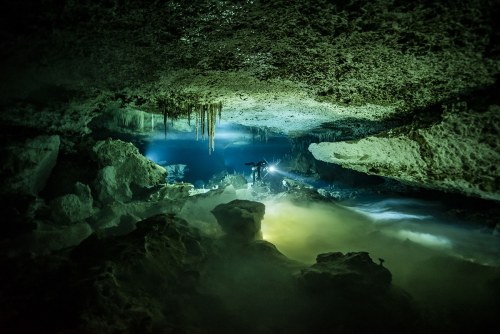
column 425, row 238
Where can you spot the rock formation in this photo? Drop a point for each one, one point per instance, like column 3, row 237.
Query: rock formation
column 122, row 170
column 240, row 219
column 74, row 71
column 460, row 154
column 27, row 165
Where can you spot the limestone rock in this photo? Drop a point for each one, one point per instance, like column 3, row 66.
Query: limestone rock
column 238, row 181
column 124, row 171
column 224, row 179
column 350, row 291
column 137, row 282
column 353, row 272
column 458, row 154
column 75, row 207
column 26, row 166
column 49, row 238
column 172, row 191
column 240, row 219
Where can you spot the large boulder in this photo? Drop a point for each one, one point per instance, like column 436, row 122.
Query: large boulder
column 349, row 291
column 240, row 219
column 27, row 165
column 74, row 207
column 137, row 282
column 352, row 272
column 141, row 282
column 123, row 171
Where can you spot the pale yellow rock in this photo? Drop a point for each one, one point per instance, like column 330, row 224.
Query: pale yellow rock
column 458, row 154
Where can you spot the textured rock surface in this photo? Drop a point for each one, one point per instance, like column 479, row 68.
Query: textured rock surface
column 460, row 153
column 48, row 238
column 123, row 170
column 356, row 293
column 138, row 281
column 334, row 61
column 26, row 166
column 141, row 282
column 240, row 219
column 74, row 207
column 354, row 272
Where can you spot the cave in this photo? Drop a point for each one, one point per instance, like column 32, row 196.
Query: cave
column 250, row 166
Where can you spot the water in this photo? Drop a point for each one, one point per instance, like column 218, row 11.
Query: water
column 233, row 147
column 432, row 249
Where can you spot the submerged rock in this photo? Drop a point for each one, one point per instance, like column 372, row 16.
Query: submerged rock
column 350, row 293
column 240, row 219
column 124, row 171
column 47, row 238
column 354, row 272
column 75, row 207
column 141, row 282
column 172, row 191
column 27, row 165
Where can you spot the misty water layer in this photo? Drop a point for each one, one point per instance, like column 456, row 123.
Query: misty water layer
column 432, row 254
column 436, row 261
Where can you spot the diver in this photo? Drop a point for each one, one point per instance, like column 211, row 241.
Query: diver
column 256, row 169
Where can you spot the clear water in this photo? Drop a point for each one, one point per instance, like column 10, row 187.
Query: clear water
column 234, row 146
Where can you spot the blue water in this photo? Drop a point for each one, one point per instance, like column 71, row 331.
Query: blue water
column 419, row 233
column 233, row 147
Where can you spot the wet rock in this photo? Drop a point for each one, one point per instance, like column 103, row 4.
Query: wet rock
column 349, row 291
column 353, row 272
column 141, row 282
column 47, row 238
column 27, row 165
column 172, row 191
column 123, row 171
column 224, row 179
column 459, row 154
column 238, row 181
column 74, row 207
column 240, row 219
column 138, row 282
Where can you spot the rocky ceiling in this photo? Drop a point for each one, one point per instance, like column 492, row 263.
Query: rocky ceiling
column 434, row 64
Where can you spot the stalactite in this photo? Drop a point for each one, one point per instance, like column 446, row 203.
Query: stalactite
column 209, row 127
column 219, row 106
column 141, row 121
column 174, row 105
column 212, row 133
column 203, row 121
column 197, row 115
column 165, row 121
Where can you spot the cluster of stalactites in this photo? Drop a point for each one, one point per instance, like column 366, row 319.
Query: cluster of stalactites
column 205, row 118
column 205, row 114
